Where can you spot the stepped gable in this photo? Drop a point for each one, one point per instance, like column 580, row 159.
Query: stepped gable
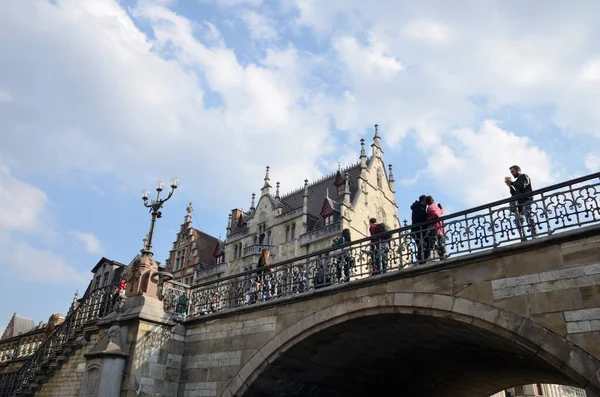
column 18, row 326
column 317, row 192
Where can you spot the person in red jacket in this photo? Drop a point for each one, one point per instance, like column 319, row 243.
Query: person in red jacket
column 436, row 229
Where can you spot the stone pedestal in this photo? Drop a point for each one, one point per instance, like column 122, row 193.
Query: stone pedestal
column 105, row 364
column 140, row 280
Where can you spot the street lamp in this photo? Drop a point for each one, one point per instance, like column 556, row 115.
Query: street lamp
column 155, row 206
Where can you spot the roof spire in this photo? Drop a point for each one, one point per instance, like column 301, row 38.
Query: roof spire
column 277, row 190
column 391, row 179
column 376, row 137
column 363, row 153
column 252, row 202
column 267, row 186
column 347, row 189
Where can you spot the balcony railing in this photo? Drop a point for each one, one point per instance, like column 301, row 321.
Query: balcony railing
column 211, row 270
column 321, row 233
column 21, row 346
column 175, row 298
column 544, row 212
column 256, row 249
column 58, row 345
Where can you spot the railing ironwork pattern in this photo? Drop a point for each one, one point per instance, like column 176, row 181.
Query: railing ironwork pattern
column 21, row 346
column 175, row 298
column 544, row 212
column 58, row 346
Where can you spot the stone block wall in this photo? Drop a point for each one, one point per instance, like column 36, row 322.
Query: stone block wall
column 155, row 359
column 66, row 382
column 544, row 295
column 215, row 351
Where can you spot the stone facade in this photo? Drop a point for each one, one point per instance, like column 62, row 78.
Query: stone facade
column 308, row 219
column 541, row 390
column 193, row 252
column 240, row 353
column 67, row 380
column 155, row 367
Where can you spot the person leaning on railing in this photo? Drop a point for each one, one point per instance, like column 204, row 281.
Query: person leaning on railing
column 419, row 233
column 263, row 270
column 522, row 208
column 436, row 229
column 344, row 262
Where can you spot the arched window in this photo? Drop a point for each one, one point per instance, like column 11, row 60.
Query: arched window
column 379, row 178
column 381, row 215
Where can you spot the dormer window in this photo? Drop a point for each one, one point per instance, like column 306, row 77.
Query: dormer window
column 329, row 220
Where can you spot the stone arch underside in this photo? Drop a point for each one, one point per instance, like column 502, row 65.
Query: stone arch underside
column 438, row 346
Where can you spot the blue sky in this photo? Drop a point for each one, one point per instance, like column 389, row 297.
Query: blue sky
column 100, row 98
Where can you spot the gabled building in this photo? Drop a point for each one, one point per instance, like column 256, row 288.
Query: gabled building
column 307, row 219
column 194, row 253
column 106, row 272
column 18, row 326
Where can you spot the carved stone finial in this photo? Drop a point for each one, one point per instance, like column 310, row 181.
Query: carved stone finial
column 145, row 242
column 189, row 208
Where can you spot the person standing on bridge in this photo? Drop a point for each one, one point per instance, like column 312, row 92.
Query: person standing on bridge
column 263, row 268
column 378, row 246
column 520, row 187
column 436, row 229
column 419, row 215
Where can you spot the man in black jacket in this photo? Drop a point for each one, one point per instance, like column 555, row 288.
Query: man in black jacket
column 522, row 208
column 419, row 215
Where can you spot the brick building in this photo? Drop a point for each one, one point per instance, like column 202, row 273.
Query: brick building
column 307, row 219
column 193, row 252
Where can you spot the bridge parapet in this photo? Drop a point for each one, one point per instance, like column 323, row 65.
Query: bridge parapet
column 566, row 206
column 520, row 313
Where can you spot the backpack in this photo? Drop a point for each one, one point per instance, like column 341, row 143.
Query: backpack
column 383, row 228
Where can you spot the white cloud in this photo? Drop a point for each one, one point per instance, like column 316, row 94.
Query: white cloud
column 471, row 165
column 22, row 204
column 592, row 162
column 429, row 32
column 259, row 26
column 132, row 105
column 183, row 92
column 90, row 242
column 41, row 265
column 24, row 215
column 591, row 71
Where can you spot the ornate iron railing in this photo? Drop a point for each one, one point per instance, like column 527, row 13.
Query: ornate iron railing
column 21, row 346
column 175, row 298
column 58, row 346
column 544, row 212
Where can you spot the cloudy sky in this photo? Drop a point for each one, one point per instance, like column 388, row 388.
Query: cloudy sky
column 100, row 98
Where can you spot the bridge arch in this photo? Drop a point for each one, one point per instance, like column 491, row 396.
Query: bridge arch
column 544, row 356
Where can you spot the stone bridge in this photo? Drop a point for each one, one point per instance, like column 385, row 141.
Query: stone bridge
column 470, row 326
column 493, row 313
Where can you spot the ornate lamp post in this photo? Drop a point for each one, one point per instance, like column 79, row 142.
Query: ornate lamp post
column 155, row 207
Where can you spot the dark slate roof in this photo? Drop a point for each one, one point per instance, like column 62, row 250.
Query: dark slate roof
column 317, row 192
column 116, row 277
column 18, row 326
column 102, row 260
